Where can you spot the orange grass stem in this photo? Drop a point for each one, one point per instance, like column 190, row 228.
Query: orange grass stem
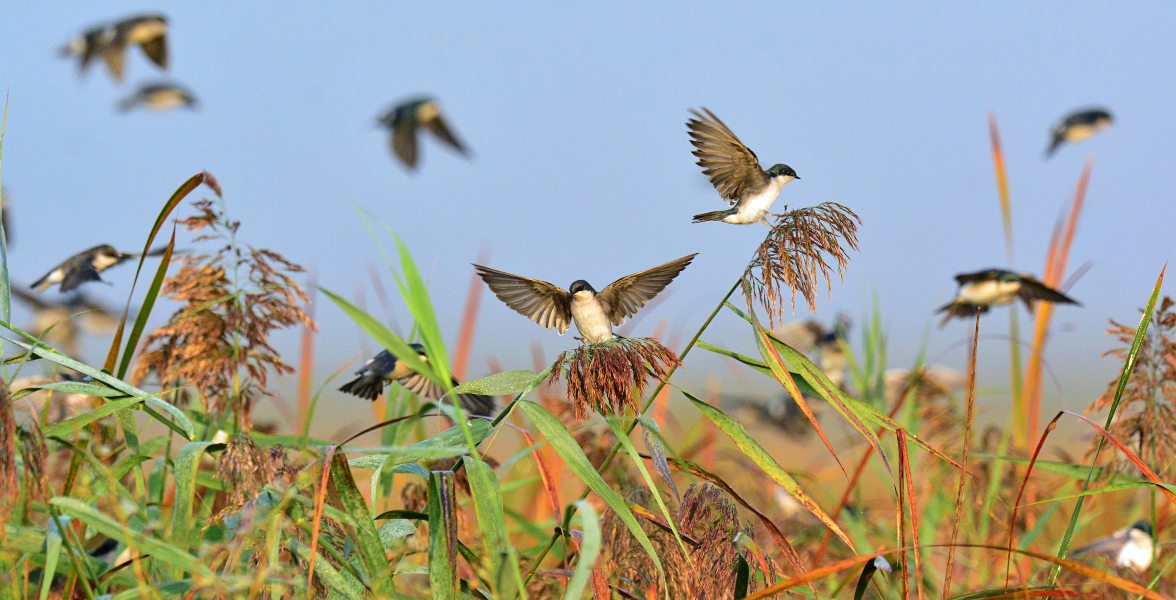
column 971, row 416
column 1055, row 267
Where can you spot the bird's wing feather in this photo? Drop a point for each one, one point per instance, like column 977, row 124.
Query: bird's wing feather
column 1031, row 289
column 404, row 144
column 421, row 386
column 438, row 127
column 156, row 50
column 114, row 55
column 540, row 301
column 75, row 277
column 963, row 278
column 625, row 296
column 730, row 165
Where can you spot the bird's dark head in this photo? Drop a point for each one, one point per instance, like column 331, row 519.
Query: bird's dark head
column 1143, row 525
column 108, row 252
column 782, row 170
column 580, row 285
column 419, row 348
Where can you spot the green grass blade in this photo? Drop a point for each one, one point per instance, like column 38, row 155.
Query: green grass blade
column 573, row 456
column 52, row 554
column 1124, row 376
column 147, row 306
column 753, row 450
column 589, row 550
column 385, row 337
column 442, row 536
column 639, row 462
column 506, row 576
column 501, row 384
column 187, row 464
column 158, row 549
column 365, row 538
column 74, row 424
column 5, row 284
column 182, row 192
column 341, row 582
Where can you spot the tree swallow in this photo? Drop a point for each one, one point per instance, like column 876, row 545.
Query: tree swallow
column 1131, row 546
column 1077, row 127
column 383, row 368
column 595, row 314
column 404, row 119
column 159, row 97
column 735, row 172
column 110, row 41
column 83, row 267
column 996, row 287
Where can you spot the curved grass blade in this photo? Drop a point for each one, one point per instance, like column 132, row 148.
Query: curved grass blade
column 187, row 464
column 1124, row 375
column 501, row 384
column 442, row 536
column 589, row 550
column 506, row 577
column 193, row 182
column 158, row 549
column 753, row 450
column 573, row 456
column 340, row 582
column 148, row 304
column 627, row 445
column 366, row 538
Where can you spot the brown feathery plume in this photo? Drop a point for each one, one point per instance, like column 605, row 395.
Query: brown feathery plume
column 603, row 376
column 246, row 469
column 800, row 250
column 233, row 299
column 1146, row 417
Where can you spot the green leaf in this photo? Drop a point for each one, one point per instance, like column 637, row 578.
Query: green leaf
column 416, row 296
column 62, row 429
column 639, row 462
column 395, row 531
column 179, row 418
column 442, row 536
column 491, row 520
column 52, row 554
column 340, row 582
column 573, row 456
column 70, row 387
column 448, row 443
column 502, row 384
column 187, row 464
column 589, row 550
column 753, row 450
column 805, row 388
column 158, row 549
column 366, row 539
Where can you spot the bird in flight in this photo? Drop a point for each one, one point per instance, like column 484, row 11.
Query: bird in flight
column 384, row 367
column 996, row 287
column 110, row 41
column 735, row 172
column 407, row 118
column 1076, row 127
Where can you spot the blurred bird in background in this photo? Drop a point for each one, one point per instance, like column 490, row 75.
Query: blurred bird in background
column 407, row 118
column 110, row 42
column 1076, row 127
column 159, row 97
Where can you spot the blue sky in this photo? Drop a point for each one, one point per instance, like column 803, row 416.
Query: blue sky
column 582, row 168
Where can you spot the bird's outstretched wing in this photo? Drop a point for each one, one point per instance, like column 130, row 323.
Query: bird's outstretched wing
column 1032, row 289
column 730, row 165
column 75, row 277
column 540, row 301
column 625, row 296
column 439, row 128
column 156, row 50
column 404, row 143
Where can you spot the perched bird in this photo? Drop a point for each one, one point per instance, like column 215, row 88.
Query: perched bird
column 1077, row 127
column 995, row 287
column 159, row 97
column 1132, row 546
column 84, row 266
column 148, row 31
column 735, row 172
column 595, row 314
column 383, row 367
column 406, row 118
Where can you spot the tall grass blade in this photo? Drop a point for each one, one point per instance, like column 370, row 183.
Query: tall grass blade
column 1128, row 367
column 573, row 456
column 627, row 445
column 969, row 418
column 753, row 450
column 589, row 550
column 365, row 537
column 442, row 536
column 497, row 549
